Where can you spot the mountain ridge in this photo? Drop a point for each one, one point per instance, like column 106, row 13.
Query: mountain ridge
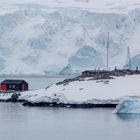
column 39, row 40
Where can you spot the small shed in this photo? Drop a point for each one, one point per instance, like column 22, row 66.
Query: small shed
column 11, row 85
column 94, row 73
column 89, row 73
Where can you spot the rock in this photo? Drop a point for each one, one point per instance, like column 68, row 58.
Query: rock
column 14, row 97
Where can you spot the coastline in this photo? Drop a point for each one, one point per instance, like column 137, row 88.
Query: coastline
column 80, row 93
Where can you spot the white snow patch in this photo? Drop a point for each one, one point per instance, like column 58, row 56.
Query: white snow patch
column 87, row 91
column 8, row 9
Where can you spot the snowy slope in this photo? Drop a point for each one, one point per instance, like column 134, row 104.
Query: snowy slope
column 99, row 6
column 86, row 91
column 56, row 39
column 8, row 9
column 86, row 57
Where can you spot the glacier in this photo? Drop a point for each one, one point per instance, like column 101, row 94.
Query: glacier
column 66, row 40
column 86, row 57
column 134, row 61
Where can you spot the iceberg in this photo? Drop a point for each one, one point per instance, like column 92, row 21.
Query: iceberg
column 128, row 106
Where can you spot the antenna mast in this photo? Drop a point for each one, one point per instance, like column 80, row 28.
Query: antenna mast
column 107, row 51
column 128, row 58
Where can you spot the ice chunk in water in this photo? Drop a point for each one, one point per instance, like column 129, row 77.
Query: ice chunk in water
column 128, row 106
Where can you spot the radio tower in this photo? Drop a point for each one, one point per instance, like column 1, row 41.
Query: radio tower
column 128, row 58
column 107, row 51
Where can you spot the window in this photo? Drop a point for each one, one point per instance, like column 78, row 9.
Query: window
column 11, row 86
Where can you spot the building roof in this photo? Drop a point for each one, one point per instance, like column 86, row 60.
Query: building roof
column 95, row 71
column 12, row 81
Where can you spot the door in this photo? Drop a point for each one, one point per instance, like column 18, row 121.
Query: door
column 23, row 87
column 4, row 87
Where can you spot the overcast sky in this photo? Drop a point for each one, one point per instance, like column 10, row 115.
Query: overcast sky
column 46, row 1
column 24, row 1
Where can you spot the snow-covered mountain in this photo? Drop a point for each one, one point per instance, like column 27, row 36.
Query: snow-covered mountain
column 66, row 39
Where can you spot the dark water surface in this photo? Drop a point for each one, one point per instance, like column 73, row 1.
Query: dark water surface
column 26, row 123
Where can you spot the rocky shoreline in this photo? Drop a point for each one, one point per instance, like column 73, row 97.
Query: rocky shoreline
column 41, row 104
column 14, row 99
column 80, row 92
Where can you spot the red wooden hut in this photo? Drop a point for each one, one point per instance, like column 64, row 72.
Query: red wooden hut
column 13, row 85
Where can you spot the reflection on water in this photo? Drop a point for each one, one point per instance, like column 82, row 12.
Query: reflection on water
column 12, row 112
column 128, row 117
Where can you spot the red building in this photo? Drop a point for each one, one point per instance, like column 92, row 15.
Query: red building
column 13, row 85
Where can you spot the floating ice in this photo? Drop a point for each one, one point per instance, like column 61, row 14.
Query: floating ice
column 128, row 106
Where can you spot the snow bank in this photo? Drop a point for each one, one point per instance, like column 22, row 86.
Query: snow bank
column 89, row 91
column 5, row 96
column 129, row 106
